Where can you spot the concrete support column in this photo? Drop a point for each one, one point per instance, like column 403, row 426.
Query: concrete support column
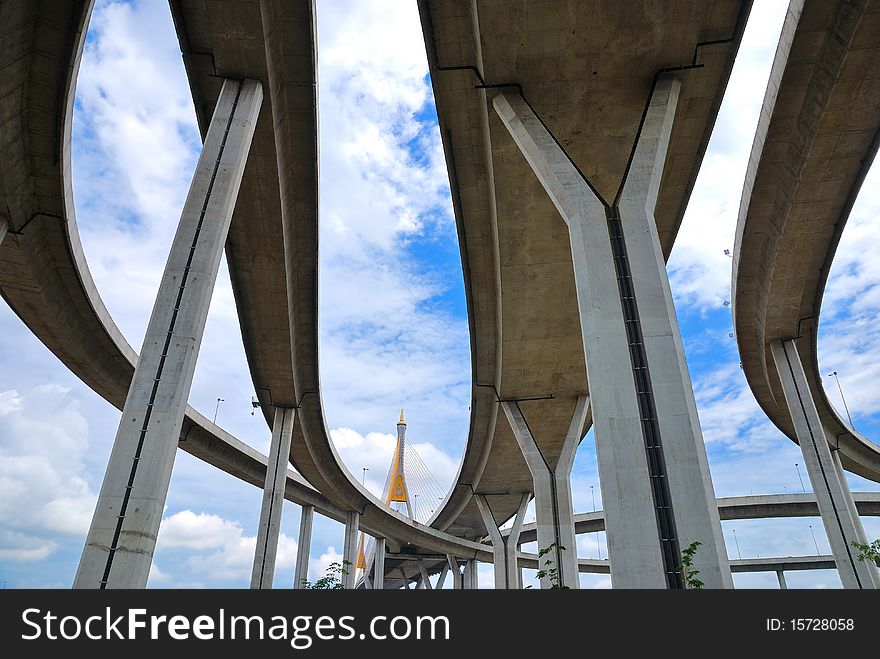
column 425, row 581
column 656, row 486
column 273, row 499
column 349, row 550
column 839, row 516
column 304, row 546
column 379, row 565
column 4, row 227
column 504, row 546
column 442, row 578
column 780, row 575
column 553, row 508
column 470, row 578
column 457, row 578
column 119, row 547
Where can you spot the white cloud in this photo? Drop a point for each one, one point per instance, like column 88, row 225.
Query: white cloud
column 233, row 557
column 318, row 566
column 20, row 547
column 698, row 269
column 43, row 440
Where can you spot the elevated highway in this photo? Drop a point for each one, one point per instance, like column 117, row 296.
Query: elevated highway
column 816, row 139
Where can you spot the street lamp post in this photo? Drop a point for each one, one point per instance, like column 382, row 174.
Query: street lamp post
column 845, row 407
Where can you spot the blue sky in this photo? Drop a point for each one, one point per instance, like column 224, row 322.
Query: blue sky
column 393, row 320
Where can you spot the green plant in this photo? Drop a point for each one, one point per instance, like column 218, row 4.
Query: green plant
column 332, row 579
column 868, row 552
column 551, row 573
column 689, row 575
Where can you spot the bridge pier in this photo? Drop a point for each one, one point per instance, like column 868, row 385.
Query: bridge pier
column 304, row 546
column 504, row 546
column 273, row 499
column 122, row 537
column 470, row 577
column 457, row 578
column 349, row 549
column 780, row 576
column 4, row 227
column 653, row 469
column 379, row 565
column 836, row 507
column 553, row 508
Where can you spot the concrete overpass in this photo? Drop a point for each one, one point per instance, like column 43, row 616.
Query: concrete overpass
column 817, row 136
column 528, row 358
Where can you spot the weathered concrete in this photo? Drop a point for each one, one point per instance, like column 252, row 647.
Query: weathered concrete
column 379, row 564
column 455, row 569
column 575, row 64
column 817, row 135
column 658, row 496
column 269, row 529
column 349, row 550
column 552, row 485
column 304, row 546
column 470, row 577
column 504, row 547
column 122, row 536
column 833, row 497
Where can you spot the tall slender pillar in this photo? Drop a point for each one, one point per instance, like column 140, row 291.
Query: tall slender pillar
column 457, row 578
column 119, row 547
column 839, row 516
column 4, row 227
column 504, row 546
column 780, row 576
column 379, row 565
column 349, row 550
column 442, row 578
column 470, row 578
column 303, row 547
column 553, row 508
column 273, row 499
column 424, row 581
column 654, row 473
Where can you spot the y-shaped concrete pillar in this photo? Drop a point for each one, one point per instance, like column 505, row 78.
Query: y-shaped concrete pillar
column 273, row 499
column 504, row 546
column 303, row 547
column 839, row 516
column 349, row 550
column 553, row 509
column 120, row 543
column 655, row 480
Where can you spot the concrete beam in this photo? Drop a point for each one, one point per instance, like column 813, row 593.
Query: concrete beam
column 304, row 546
column 119, row 547
column 652, row 462
column 349, row 551
column 553, row 508
column 504, row 546
column 273, row 499
column 836, row 507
